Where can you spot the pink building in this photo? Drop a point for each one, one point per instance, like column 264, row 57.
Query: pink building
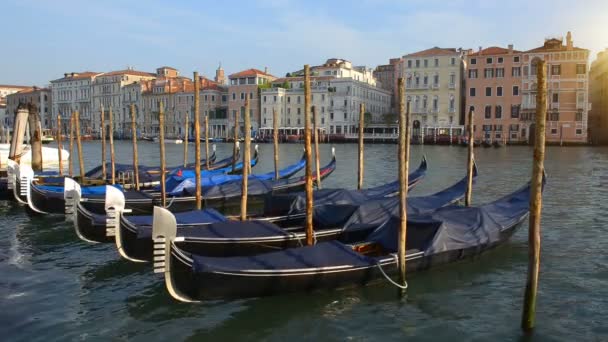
column 494, row 79
column 243, row 84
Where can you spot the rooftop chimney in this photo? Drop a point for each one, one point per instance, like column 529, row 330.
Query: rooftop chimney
column 479, row 49
column 510, row 48
column 265, row 70
column 65, row 75
column 569, row 44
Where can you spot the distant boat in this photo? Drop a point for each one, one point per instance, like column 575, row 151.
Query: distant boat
column 47, row 136
column 50, row 157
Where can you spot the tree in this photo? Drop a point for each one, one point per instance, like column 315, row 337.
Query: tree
column 389, row 119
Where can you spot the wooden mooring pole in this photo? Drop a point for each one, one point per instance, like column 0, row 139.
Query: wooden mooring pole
column 187, row 116
column 236, row 139
column 103, row 143
column 59, row 145
column 361, row 129
column 197, row 142
column 161, row 140
column 317, row 156
column 79, row 146
column 529, row 311
column 404, row 150
column 246, row 161
column 470, row 160
column 275, row 140
column 35, row 137
column 112, row 160
column 135, row 153
column 71, row 143
column 308, row 151
column 207, row 141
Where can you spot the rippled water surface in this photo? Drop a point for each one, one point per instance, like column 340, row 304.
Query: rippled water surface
column 55, row 287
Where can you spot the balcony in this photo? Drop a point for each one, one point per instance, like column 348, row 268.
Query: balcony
column 554, row 105
column 435, row 86
column 452, row 85
column 452, row 110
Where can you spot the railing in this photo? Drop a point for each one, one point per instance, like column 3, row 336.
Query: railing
column 435, row 86
column 372, row 135
column 452, row 85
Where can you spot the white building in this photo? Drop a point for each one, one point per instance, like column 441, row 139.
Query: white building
column 337, row 89
column 73, row 93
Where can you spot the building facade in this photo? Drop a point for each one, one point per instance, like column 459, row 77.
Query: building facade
column 73, row 93
column 494, row 80
column 337, row 91
column 598, row 94
column 107, row 91
column 39, row 97
column 435, row 89
column 246, row 83
column 567, row 91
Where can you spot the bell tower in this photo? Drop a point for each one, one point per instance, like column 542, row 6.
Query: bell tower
column 219, row 75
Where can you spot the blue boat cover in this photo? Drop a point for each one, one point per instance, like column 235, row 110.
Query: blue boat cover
column 454, row 227
column 324, row 254
column 233, row 230
column 144, row 223
column 85, row 190
column 180, row 179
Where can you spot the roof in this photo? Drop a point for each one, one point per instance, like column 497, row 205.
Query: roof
column 167, row 67
column 249, row 72
column 492, row 51
column 129, row 72
column 13, row 86
column 30, row 90
column 434, row 51
column 78, row 76
column 214, row 86
column 301, row 78
column 554, row 44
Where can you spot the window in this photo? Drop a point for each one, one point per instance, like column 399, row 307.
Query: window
column 498, row 113
column 436, row 62
column 452, row 80
column 555, row 97
column 488, row 91
column 409, row 64
column 331, row 116
column 489, row 60
column 436, row 80
column 516, row 71
column 242, row 96
column 514, row 127
column 453, row 61
column 579, row 131
column 473, row 61
column 426, row 63
column 498, row 91
column 579, row 116
column 556, row 70
column 554, row 116
column 500, row 60
column 472, row 73
column 345, row 116
column 345, row 102
column 500, row 72
column 288, row 99
column 264, row 98
column 581, row 69
column 426, row 80
column 488, row 73
column 488, row 112
column 515, row 59
column 417, row 63
column 515, row 90
column 298, row 111
column 553, row 131
column 288, row 110
column 472, row 92
column 498, row 128
column 233, row 96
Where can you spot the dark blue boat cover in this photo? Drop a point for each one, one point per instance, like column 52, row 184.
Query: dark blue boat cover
column 453, row 227
column 295, row 203
column 233, row 230
column 183, row 218
column 324, row 254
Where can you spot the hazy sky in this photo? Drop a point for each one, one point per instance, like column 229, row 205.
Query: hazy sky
column 44, row 39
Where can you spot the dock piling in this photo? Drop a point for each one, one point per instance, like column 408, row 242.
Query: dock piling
column 307, row 148
column 317, row 156
column 361, row 129
column 161, row 140
column 470, row 160
column 246, row 161
column 404, row 150
column 103, row 143
column 79, row 146
column 275, row 140
column 111, row 134
column 197, row 142
column 59, row 145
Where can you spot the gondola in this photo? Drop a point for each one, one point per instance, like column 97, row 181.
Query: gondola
column 211, row 234
column 497, row 144
column 50, row 199
column 275, row 204
column 443, row 236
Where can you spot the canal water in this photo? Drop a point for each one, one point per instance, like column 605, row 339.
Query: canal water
column 55, row 287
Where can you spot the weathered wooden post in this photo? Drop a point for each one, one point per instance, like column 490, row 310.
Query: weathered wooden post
column 71, row 157
column 35, row 137
column 529, row 312
column 246, row 161
column 404, row 151
column 470, row 160
column 79, row 146
column 103, row 143
column 161, row 140
column 19, row 128
column 308, row 151
column 275, row 140
column 197, row 142
column 186, row 140
column 361, row 129
column 317, row 157
column 59, row 145
column 135, row 154
column 236, row 139
column 207, row 141
column 111, row 134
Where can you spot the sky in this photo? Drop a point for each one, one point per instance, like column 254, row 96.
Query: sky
column 42, row 40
